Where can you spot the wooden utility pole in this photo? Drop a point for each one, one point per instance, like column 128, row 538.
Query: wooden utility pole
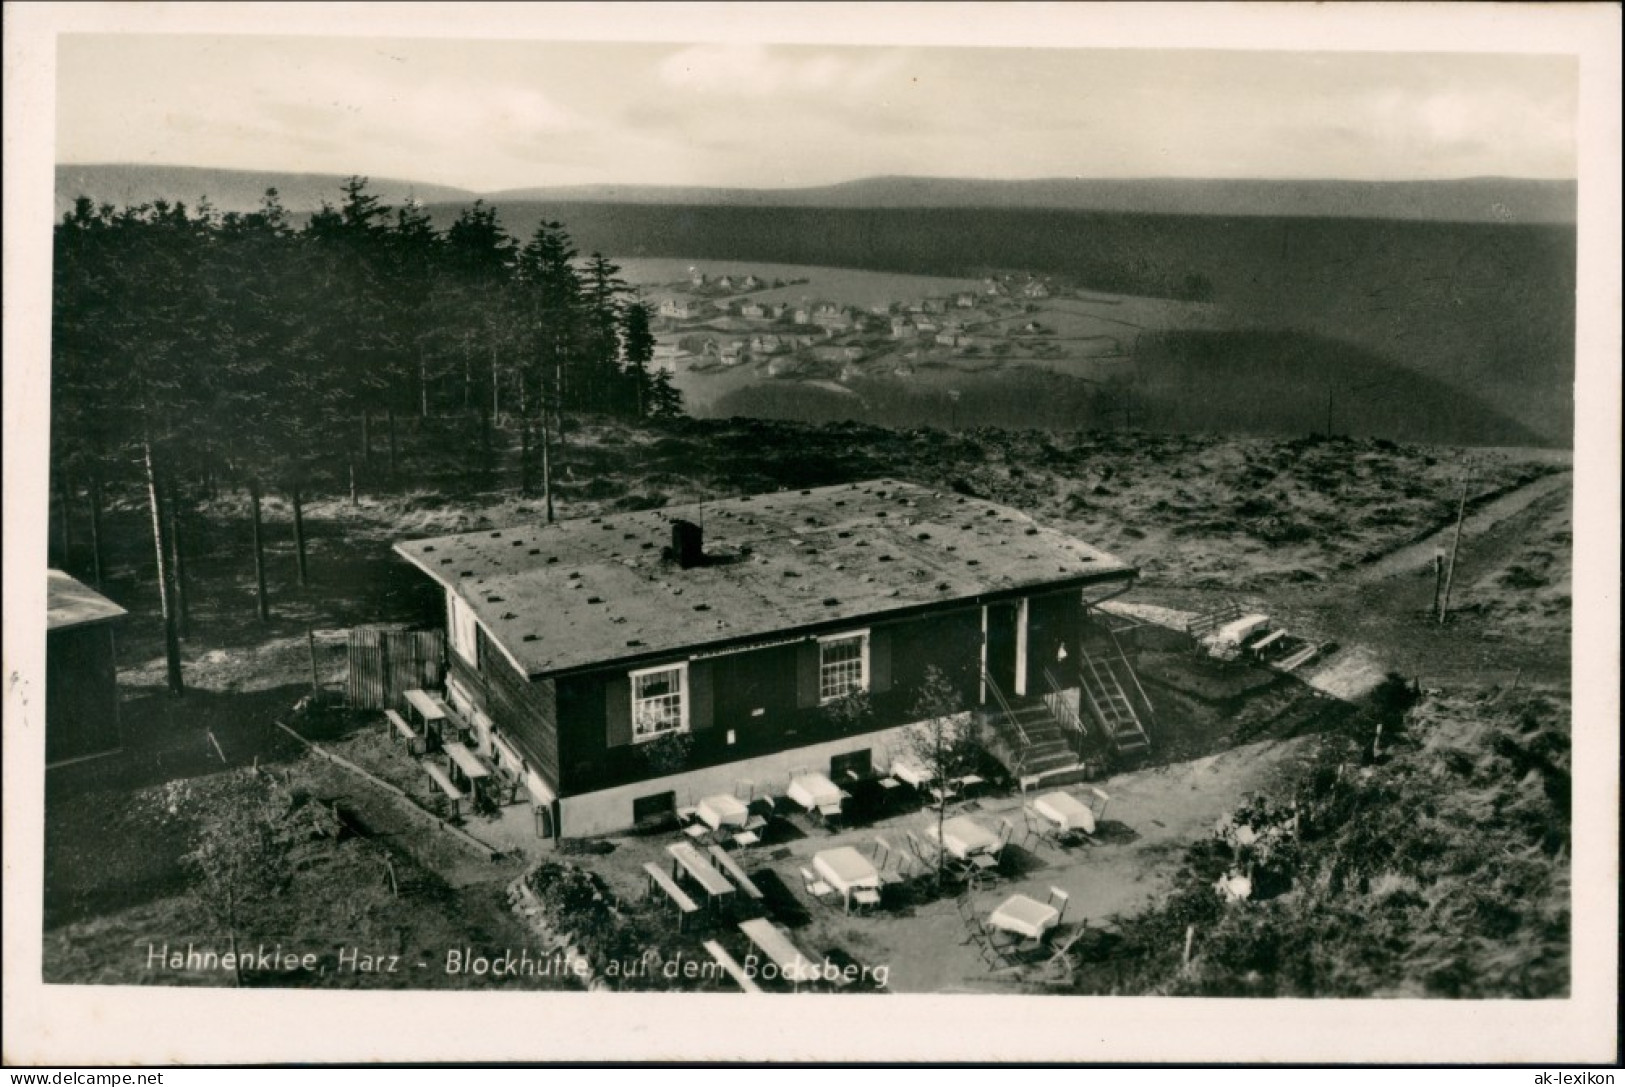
column 315, row 676
column 1438, row 581
column 183, row 619
column 94, row 492
column 172, row 645
column 389, row 417
column 299, row 535
column 263, row 601
column 1455, row 550
column 547, row 468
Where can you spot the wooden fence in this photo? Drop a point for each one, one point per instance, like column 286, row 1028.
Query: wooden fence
column 383, row 664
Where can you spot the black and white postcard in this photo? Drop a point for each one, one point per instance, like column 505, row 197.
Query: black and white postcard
column 824, row 532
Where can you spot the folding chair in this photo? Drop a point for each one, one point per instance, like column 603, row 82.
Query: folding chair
column 1059, row 899
column 1105, row 799
column 815, row 887
column 1008, row 830
column 1038, row 827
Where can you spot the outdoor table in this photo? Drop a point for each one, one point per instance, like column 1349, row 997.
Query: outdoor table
column 964, row 837
column 465, row 760
column 426, row 706
column 713, row 882
column 1065, row 811
column 1025, row 917
column 723, row 810
column 815, row 792
column 846, row 870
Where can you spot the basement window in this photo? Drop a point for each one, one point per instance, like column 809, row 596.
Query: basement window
column 843, row 665
column 659, row 704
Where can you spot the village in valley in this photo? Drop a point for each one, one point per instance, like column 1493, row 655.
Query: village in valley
column 774, row 328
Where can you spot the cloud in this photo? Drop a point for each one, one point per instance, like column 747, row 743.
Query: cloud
column 756, row 69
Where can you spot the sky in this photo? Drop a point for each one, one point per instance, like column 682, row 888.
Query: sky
column 493, row 115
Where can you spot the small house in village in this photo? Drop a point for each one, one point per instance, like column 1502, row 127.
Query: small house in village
column 81, row 680
column 684, row 309
column 625, row 664
column 752, row 309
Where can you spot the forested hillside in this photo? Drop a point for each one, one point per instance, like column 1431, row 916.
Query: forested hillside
column 191, row 349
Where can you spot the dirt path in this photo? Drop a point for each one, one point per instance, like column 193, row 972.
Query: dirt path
column 1412, row 556
column 1381, row 616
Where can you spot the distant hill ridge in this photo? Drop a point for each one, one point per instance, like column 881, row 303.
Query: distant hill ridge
column 1491, row 199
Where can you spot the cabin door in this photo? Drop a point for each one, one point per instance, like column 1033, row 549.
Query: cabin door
column 1001, row 647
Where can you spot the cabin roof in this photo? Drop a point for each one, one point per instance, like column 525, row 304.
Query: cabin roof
column 71, row 603
column 600, row 590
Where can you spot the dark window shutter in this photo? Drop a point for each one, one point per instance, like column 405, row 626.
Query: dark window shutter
column 618, row 711
column 807, row 658
column 879, row 660
column 699, row 695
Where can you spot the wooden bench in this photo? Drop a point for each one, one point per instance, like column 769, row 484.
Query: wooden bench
column 730, row 867
column 399, row 725
column 731, row 965
column 439, row 777
column 686, row 906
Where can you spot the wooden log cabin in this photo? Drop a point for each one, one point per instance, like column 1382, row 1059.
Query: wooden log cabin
column 576, row 648
column 81, row 675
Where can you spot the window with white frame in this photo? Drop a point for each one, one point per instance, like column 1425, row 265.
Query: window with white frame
column 843, row 665
column 659, row 701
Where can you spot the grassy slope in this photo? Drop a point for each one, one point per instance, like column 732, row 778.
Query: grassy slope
column 1435, row 865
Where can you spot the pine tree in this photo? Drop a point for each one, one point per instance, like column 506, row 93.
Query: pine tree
column 638, row 346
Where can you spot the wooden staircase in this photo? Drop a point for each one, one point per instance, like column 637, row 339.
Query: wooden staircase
column 1106, row 679
column 1028, row 738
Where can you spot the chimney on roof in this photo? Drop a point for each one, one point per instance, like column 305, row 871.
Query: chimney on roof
column 687, row 544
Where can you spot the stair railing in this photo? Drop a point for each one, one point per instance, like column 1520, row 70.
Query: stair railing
column 1145, row 700
column 1004, row 706
column 1089, row 692
column 1062, row 710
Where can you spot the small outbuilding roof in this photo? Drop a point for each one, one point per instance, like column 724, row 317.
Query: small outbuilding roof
column 71, row 603
column 591, row 592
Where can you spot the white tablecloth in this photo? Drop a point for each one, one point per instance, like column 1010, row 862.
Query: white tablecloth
column 1024, row 916
column 1066, row 811
column 722, row 810
column 815, row 791
column 846, row 869
column 964, row 836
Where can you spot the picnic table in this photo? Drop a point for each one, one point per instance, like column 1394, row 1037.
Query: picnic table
column 849, row 872
column 426, row 706
column 466, row 761
column 1066, row 811
column 904, row 770
column 964, row 837
column 731, row 868
column 722, row 810
column 686, row 859
column 1023, row 916
column 816, row 792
